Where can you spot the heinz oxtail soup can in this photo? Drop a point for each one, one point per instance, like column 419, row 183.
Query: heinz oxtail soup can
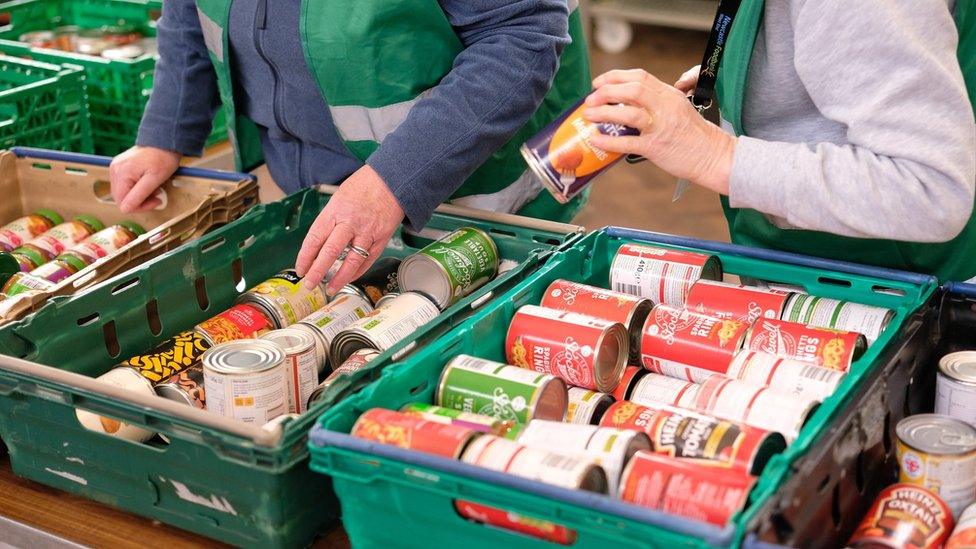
column 904, row 516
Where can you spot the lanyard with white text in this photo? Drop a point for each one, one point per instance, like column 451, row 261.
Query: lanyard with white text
column 704, row 94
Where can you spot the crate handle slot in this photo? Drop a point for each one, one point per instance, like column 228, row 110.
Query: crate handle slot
column 84, row 278
column 419, row 389
column 886, row 290
column 159, row 237
column 102, row 190
column 247, row 242
column 124, row 286
column 41, row 166
column 74, row 170
column 829, row 281
column 152, row 316
column 111, row 339
column 482, row 300
column 200, row 284
column 212, row 245
column 87, row 320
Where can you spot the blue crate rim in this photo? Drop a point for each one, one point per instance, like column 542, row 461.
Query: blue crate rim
column 965, row 289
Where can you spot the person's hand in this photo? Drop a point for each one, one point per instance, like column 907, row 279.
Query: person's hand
column 362, row 213
column 137, row 173
column 688, row 80
column 672, row 133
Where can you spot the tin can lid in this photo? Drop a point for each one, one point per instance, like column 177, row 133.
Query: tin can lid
column 385, row 299
column 243, row 356
column 291, row 340
column 50, row 215
column 960, row 366
column 350, row 289
column 134, row 227
column 29, row 257
column 172, row 392
column 937, row 434
column 92, row 222
column 422, row 273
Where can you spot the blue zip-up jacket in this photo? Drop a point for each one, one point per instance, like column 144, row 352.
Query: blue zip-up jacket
column 473, row 110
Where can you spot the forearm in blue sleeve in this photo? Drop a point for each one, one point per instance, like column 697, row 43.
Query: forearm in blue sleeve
column 497, row 82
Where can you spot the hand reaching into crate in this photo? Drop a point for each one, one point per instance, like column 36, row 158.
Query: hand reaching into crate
column 137, row 173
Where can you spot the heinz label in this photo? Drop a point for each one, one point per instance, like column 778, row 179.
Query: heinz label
column 904, row 516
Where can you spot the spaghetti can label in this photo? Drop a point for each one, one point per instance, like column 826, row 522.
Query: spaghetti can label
column 413, row 432
column 659, row 274
column 824, row 347
column 508, row 520
column 737, row 302
column 171, row 356
column 791, row 377
column 241, row 321
column 689, row 345
column 904, row 515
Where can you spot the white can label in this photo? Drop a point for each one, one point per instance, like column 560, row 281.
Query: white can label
column 338, row 315
column 390, row 324
column 302, row 375
column 955, row 399
column 582, row 404
column 504, row 455
column 839, row 315
column 655, row 390
column 662, row 281
column 678, row 370
column 791, row 377
column 754, row 405
column 256, row 398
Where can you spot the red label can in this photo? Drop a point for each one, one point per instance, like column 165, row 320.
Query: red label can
column 508, row 520
column 824, row 347
column 241, row 321
column 632, row 374
column 737, row 302
column 413, row 432
column 584, row 351
column 904, row 515
column 662, row 275
column 684, row 488
column 678, row 342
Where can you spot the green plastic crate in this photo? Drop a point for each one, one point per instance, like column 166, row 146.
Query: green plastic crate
column 43, row 105
column 238, row 483
column 392, row 496
column 117, row 89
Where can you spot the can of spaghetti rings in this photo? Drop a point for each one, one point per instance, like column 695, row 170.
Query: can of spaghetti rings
column 689, row 345
column 657, row 390
column 300, row 364
column 586, row 406
column 798, row 379
column 659, row 274
column 955, row 386
column 325, row 323
column 170, row 357
column 584, row 351
column 185, row 387
column 904, row 516
column 690, row 489
column 838, row 315
column 629, row 310
column 384, row 326
column 632, row 375
column 824, row 347
column 688, row 435
column 356, row 361
column 562, row 157
column 508, row 520
column 241, row 321
column 608, row 447
column 754, row 405
column 245, row 380
column 452, row 267
column 284, row 298
column 413, row 432
column 469, row 420
column 737, row 302
column 501, row 391
column 938, row 453
column 129, row 380
column 964, row 534
column 23, row 229
column 379, row 280
column 500, row 454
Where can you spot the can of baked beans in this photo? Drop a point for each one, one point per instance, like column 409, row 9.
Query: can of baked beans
column 632, row 375
column 801, row 380
column 300, row 364
column 824, row 347
column 955, row 386
column 689, row 345
column 170, row 357
column 657, row 390
column 501, row 391
column 380, row 279
column 939, row 453
column 508, row 520
column 284, row 298
column 478, row 422
column 562, row 157
column 838, row 315
column 129, row 380
column 452, row 267
column 356, row 361
column 23, row 229
column 904, row 516
column 584, row 351
column 245, row 380
column 685, row 434
column 964, row 534
column 241, row 321
column 629, row 310
column 586, row 406
column 384, row 326
column 500, row 454
column 659, row 274
column 689, row 489
column 735, row 301
column 754, row 405
column 413, row 432
column 337, row 315
column 185, row 387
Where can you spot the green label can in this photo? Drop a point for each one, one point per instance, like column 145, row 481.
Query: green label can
column 505, row 392
column 478, row 422
column 452, row 267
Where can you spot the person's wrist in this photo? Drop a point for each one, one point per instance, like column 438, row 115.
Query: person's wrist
column 716, row 168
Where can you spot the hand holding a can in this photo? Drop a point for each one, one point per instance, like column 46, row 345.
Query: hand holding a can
column 672, row 133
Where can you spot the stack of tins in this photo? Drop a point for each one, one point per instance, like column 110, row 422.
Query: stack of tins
column 671, row 390
column 282, row 345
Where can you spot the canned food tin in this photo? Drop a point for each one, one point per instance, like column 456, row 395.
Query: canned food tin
column 22, row 283
column 688, row 489
column 241, row 321
column 632, row 375
column 584, row 351
column 687, row 435
column 129, row 380
column 801, row 380
column 508, row 520
column 245, row 380
column 385, row 326
column 608, row 447
column 955, row 386
column 451, row 267
column 586, row 406
column 939, row 453
column 383, row 301
column 904, row 516
column 498, row 390
column 824, row 347
column 301, row 365
column 562, row 157
column 339, row 314
column 478, row 422
column 105, row 242
column 662, row 275
column 170, row 357
column 754, row 405
column 657, row 390
column 356, row 361
column 504, row 455
column 21, row 230
column 413, row 432
column 838, row 315
column 65, row 235
column 737, row 302
column 689, row 345
column 380, row 279
column 629, row 310
column 185, row 387
column 285, row 298
column 964, row 534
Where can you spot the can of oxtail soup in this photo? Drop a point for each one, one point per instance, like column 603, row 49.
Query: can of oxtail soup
column 452, row 267
column 904, row 515
column 660, row 274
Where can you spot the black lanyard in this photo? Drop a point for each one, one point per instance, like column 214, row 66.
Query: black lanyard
column 704, row 94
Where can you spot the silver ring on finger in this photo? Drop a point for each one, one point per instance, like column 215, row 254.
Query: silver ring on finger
column 360, row 251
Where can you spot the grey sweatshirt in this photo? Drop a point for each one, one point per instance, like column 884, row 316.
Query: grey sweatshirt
column 858, row 121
